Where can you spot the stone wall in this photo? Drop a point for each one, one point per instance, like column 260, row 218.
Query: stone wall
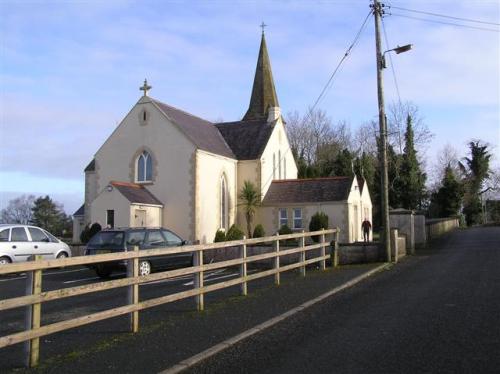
column 420, row 231
column 403, row 220
column 439, row 226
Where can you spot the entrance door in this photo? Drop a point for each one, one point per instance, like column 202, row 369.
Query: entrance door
column 140, row 218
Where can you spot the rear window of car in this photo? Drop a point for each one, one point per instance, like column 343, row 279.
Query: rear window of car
column 110, row 239
column 19, row 235
column 4, row 235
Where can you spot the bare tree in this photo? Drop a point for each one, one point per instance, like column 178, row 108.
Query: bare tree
column 396, row 120
column 19, row 210
column 309, row 132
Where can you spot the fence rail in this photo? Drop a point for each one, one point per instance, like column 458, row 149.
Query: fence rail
column 34, row 296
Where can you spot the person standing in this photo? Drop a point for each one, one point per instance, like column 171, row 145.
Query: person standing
column 366, row 227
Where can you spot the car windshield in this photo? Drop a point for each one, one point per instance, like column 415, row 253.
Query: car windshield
column 111, row 239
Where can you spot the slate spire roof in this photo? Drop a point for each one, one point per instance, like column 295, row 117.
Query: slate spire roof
column 263, row 91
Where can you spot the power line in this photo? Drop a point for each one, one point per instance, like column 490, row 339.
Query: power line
column 442, row 22
column 348, row 51
column 445, row 16
column 392, row 64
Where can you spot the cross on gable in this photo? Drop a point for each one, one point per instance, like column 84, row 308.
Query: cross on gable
column 145, row 87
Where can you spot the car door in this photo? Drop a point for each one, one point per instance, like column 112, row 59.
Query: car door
column 20, row 246
column 155, row 239
column 42, row 244
column 174, row 241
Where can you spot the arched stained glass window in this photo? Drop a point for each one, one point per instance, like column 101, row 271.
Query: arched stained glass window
column 144, row 167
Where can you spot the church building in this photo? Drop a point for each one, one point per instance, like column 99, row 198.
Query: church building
column 165, row 167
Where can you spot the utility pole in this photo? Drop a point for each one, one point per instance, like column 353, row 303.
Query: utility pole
column 377, row 12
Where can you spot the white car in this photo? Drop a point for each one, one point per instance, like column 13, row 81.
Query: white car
column 19, row 242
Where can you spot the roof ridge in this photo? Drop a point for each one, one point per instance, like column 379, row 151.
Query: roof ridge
column 182, row 111
column 311, row 179
column 126, row 184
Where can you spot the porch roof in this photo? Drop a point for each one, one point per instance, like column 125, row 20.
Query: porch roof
column 136, row 193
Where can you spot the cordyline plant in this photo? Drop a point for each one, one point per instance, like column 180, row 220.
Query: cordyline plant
column 249, row 198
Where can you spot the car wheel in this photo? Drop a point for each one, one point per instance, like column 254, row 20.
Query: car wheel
column 4, row 260
column 102, row 272
column 62, row 255
column 144, row 268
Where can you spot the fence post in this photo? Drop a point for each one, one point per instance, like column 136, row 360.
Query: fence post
column 394, row 244
column 243, row 267
column 133, row 290
column 322, row 264
column 277, row 260
column 303, row 254
column 335, row 249
column 198, row 280
column 33, row 314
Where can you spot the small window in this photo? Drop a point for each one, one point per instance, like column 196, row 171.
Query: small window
column 4, row 235
column 52, row 238
column 297, row 218
column 283, row 217
column 172, row 239
column 144, row 167
column 19, row 235
column 156, row 239
column 37, row 235
column 279, row 164
column 110, row 218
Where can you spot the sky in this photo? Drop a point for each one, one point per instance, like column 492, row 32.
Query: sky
column 70, row 71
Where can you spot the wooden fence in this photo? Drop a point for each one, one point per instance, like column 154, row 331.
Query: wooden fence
column 34, row 296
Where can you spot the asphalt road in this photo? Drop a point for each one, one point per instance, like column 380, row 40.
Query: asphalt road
column 437, row 312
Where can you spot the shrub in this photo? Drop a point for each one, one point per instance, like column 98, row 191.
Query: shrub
column 234, row 233
column 85, row 235
column 258, row 231
column 220, row 236
column 318, row 221
column 285, row 230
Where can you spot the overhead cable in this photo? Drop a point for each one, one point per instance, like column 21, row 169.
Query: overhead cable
column 442, row 22
column 445, row 16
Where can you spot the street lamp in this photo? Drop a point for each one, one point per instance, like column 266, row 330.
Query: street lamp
column 377, row 11
column 398, row 50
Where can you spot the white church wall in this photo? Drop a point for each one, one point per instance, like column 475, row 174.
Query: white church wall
column 173, row 163
column 248, row 170
column 366, row 208
column 90, row 194
column 354, row 213
column 277, row 159
column 111, row 200
column 209, row 170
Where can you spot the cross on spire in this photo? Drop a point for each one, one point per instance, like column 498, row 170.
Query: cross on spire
column 263, row 25
column 145, row 87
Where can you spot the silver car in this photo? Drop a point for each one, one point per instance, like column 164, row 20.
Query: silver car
column 18, row 242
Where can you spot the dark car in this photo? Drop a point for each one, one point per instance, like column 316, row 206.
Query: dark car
column 120, row 240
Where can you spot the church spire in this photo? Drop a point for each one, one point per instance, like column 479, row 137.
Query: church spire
column 263, row 92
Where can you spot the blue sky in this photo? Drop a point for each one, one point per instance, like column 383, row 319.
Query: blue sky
column 70, row 71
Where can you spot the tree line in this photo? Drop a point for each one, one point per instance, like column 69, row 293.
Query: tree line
column 42, row 212
column 322, row 149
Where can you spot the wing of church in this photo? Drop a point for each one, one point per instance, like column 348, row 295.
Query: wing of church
column 165, row 167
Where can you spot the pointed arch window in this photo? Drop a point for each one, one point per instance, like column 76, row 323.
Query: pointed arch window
column 144, row 167
column 223, row 203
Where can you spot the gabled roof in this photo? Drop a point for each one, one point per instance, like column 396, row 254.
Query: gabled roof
column 80, row 211
column 314, row 190
column 136, row 193
column 202, row 133
column 90, row 166
column 247, row 139
column 263, row 91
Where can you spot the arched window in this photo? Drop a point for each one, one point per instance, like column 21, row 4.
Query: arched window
column 144, row 167
column 223, row 203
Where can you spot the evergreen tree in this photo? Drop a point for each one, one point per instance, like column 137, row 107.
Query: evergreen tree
column 411, row 178
column 343, row 164
column 476, row 170
column 48, row 215
column 448, row 199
